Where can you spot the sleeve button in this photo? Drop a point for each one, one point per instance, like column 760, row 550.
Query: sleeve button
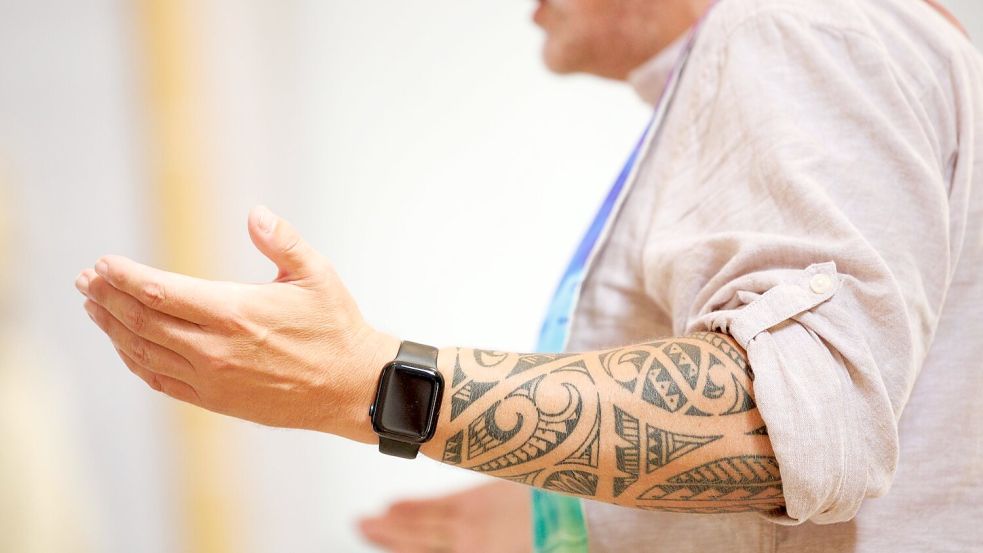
column 821, row 283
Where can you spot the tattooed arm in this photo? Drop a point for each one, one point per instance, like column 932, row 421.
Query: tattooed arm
column 669, row 424
column 666, row 425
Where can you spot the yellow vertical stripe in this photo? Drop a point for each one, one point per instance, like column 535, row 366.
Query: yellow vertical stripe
column 180, row 202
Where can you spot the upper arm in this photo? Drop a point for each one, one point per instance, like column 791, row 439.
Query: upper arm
column 803, row 163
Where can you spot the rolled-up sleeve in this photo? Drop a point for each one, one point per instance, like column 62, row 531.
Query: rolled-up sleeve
column 818, row 389
column 802, row 210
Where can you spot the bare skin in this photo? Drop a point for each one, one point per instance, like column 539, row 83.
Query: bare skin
column 680, row 427
column 609, row 38
column 490, row 518
column 668, row 425
column 578, row 39
column 681, row 431
column 277, row 353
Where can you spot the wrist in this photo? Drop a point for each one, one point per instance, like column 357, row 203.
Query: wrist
column 395, row 394
column 434, row 448
column 379, row 348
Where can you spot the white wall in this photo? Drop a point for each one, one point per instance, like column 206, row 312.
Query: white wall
column 385, row 130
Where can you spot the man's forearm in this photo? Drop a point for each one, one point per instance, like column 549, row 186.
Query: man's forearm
column 668, row 425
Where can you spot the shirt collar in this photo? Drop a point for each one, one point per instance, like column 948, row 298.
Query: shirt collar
column 649, row 78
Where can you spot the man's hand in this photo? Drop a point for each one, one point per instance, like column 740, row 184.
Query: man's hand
column 491, row 518
column 294, row 352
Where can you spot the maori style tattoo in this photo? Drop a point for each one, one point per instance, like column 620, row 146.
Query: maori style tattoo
column 667, row 425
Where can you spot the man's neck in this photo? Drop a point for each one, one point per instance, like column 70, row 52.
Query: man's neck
column 650, row 28
column 649, row 78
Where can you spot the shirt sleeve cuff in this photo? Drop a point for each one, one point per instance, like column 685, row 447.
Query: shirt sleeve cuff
column 814, row 398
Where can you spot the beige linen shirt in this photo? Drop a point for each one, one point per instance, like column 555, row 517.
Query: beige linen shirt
column 817, row 192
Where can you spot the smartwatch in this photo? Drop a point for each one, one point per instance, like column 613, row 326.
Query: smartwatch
column 407, row 400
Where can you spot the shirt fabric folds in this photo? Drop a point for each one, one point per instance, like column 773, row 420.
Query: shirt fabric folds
column 812, row 194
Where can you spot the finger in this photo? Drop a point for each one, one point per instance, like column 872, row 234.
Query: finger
column 282, row 244
column 182, row 296
column 428, row 515
column 162, row 383
column 173, row 333
column 399, row 536
column 373, row 530
column 426, row 533
column 147, row 354
column 434, row 508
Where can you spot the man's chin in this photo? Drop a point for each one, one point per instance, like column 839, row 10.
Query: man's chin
column 559, row 69
column 559, row 62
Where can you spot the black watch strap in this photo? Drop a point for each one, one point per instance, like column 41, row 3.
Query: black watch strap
column 417, row 354
column 406, row 450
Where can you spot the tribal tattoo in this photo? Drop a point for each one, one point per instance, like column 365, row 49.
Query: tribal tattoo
column 667, row 425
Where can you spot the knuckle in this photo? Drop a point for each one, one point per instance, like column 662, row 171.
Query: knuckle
column 179, row 390
column 109, row 275
column 257, row 333
column 136, row 318
column 246, row 332
column 261, row 338
column 293, row 244
column 217, row 360
column 153, row 294
column 141, row 353
column 169, row 387
column 238, row 322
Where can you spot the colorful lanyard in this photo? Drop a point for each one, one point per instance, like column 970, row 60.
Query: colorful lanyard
column 558, row 520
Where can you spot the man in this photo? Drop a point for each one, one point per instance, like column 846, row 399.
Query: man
column 779, row 320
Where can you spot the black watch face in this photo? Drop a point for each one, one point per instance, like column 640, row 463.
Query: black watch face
column 407, row 402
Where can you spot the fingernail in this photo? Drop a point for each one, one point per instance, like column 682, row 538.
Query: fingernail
column 82, row 283
column 102, row 268
column 266, row 219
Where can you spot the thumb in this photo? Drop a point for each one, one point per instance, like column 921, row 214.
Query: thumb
column 283, row 245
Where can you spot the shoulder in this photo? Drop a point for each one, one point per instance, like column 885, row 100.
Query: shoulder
column 899, row 57
column 909, row 34
column 728, row 17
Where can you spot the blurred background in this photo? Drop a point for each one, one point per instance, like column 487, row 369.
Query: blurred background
column 384, row 130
